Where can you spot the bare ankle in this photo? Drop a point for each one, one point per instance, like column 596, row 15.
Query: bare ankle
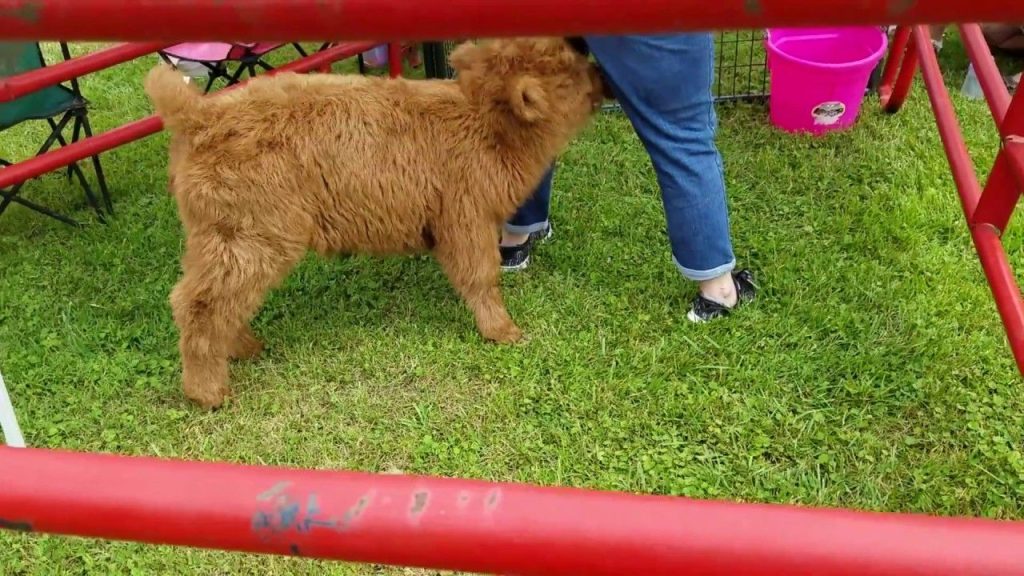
column 721, row 290
column 509, row 239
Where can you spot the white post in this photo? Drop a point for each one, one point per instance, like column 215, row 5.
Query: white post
column 8, row 423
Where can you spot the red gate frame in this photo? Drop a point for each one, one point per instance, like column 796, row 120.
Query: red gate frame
column 987, row 211
column 486, row 527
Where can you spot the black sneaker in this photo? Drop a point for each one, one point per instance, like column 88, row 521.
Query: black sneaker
column 704, row 309
column 516, row 258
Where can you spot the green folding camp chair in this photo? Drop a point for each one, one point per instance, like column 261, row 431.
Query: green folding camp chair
column 59, row 106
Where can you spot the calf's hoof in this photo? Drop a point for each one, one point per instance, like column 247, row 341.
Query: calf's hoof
column 504, row 334
column 208, row 397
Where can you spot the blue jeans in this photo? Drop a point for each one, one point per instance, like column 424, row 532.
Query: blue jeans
column 663, row 83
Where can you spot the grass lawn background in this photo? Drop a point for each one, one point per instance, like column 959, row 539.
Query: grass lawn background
column 872, row 373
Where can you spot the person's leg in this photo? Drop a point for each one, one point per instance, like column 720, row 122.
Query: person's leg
column 532, row 216
column 664, row 86
column 529, row 224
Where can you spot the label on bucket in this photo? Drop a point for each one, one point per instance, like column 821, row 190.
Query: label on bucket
column 828, row 113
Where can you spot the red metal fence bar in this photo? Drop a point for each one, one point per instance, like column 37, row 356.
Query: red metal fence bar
column 896, row 82
column 22, row 84
column 479, row 526
column 292, row 20
column 893, row 65
column 60, row 157
column 395, row 56
column 1003, row 189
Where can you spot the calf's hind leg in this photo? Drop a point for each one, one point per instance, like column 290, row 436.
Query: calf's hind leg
column 225, row 280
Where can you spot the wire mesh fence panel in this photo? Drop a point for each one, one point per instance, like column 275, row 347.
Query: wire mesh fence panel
column 740, row 67
column 435, row 59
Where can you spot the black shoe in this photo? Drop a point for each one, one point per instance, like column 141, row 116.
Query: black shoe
column 704, row 309
column 516, row 258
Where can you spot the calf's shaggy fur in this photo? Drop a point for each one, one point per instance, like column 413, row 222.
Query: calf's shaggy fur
column 347, row 164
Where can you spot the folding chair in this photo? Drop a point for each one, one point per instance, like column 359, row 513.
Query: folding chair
column 8, row 422
column 59, row 106
column 218, row 58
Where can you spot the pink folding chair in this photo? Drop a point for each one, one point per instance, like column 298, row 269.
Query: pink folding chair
column 218, row 58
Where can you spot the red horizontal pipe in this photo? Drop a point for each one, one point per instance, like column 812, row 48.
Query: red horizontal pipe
column 290, row 20
column 477, row 526
column 992, row 85
column 86, row 147
column 17, row 86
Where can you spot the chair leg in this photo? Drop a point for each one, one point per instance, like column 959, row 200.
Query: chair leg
column 56, row 129
column 77, row 171
column 12, row 197
column 300, row 49
column 215, row 71
column 3, row 193
column 74, row 138
column 8, row 197
column 237, row 76
column 90, row 196
column 100, row 177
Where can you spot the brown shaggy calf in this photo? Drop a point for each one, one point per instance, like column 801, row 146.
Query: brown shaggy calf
column 346, row 164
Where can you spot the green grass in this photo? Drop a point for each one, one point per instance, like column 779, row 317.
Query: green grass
column 872, row 373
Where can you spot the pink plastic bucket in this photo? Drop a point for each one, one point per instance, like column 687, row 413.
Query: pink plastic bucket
column 819, row 75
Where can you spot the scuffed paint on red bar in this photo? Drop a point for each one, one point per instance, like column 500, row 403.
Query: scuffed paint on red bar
column 477, row 526
column 287, row 20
